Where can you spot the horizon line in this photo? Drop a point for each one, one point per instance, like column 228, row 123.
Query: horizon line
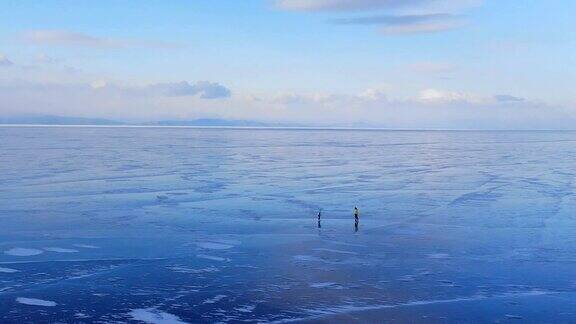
column 285, row 128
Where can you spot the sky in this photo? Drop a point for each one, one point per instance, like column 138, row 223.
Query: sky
column 458, row 64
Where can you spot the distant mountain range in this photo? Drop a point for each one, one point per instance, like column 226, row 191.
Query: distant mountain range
column 203, row 122
column 61, row 120
column 56, row 120
column 218, row 122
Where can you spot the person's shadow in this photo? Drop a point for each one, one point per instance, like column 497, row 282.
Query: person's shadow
column 319, row 224
column 356, row 225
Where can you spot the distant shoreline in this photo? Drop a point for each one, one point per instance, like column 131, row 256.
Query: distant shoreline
column 283, row 128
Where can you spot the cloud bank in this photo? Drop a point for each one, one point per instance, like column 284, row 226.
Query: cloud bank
column 507, row 98
column 429, row 108
column 370, row 5
column 407, row 24
column 344, row 5
column 4, row 61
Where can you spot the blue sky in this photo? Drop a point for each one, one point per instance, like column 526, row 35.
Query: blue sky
column 410, row 63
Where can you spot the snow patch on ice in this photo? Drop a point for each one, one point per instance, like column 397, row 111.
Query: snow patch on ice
column 182, row 269
column 438, row 256
column 306, row 258
column 81, row 315
column 246, row 308
column 217, row 244
column 35, row 302
column 213, row 245
column 59, row 250
column 215, row 299
column 335, row 251
column 86, row 246
column 407, row 278
column 154, row 316
column 229, row 241
column 23, row 252
column 211, row 257
column 331, row 285
column 346, row 244
column 8, row 270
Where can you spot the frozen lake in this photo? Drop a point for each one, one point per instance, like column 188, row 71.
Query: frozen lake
column 170, row 225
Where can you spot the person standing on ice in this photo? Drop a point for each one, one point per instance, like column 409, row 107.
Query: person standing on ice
column 319, row 217
column 356, row 217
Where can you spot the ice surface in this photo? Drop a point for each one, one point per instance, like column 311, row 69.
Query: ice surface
column 315, row 314
column 438, row 256
column 336, row 251
column 219, row 225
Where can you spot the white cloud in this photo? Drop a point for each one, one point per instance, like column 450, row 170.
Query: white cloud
column 407, row 24
column 417, row 6
column 292, row 99
column 98, row 84
column 435, row 96
column 435, row 6
column 46, row 59
column 200, row 89
column 402, row 17
column 374, row 94
column 102, row 99
column 431, row 108
column 76, row 39
column 421, row 28
column 442, row 96
column 205, row 89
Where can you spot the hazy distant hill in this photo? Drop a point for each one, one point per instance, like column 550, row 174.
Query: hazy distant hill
column 217, row 122
column 57, row 120
column 202, row 122
column 62, row 120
